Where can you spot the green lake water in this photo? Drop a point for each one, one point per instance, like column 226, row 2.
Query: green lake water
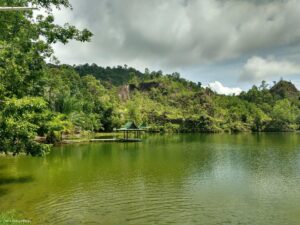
column 204, row 179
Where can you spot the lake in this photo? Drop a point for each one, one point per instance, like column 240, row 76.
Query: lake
column 207, row 179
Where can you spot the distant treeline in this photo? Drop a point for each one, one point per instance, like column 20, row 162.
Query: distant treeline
column 169, row 103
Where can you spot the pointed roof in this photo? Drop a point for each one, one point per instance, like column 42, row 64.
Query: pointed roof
column 130, row 126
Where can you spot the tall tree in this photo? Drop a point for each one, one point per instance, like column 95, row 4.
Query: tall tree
column 25, row 43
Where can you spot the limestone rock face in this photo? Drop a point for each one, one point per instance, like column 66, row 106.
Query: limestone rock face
column 124, row 93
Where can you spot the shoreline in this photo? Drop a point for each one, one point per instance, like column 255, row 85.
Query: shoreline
column 89, row 138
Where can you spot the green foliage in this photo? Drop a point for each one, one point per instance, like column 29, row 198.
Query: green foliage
column 84, row 100
column 116, row 75
column 284, row 116
column 25, row 44
column 20, row 121
column 284, row 89
column 171, row 103
column 284, row 111
column 88, row 122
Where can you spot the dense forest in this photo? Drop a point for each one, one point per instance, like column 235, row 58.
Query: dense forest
column 169, row 103
column 72, row 103
column 40, row 99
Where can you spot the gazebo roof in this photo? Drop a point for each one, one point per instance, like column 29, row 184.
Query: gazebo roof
column 129, row 126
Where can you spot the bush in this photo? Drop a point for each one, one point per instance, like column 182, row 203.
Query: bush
column 20, row 121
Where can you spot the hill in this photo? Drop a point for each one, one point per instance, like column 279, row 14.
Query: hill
column 170, row 103
column 284, row 89
column 115, row 75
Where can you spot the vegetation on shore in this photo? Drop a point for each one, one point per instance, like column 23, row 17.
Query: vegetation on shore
column 40, row 99
column 169, row 103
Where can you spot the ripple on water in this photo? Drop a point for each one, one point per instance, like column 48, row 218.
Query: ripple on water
column 226, row 179
column 132, row 202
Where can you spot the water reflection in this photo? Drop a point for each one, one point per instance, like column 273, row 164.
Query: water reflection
column 15, row 180
column 181, row 179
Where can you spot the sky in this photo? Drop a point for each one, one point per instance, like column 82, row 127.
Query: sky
column 228, row 45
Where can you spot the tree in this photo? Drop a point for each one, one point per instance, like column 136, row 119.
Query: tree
column 26, row 41
column 264, row 85
column 284, row 116
column 260, row 119
column 20, row 122
column 284, row 111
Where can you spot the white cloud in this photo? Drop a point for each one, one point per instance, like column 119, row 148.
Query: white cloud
column 179, row 33
column 258, row 69
column 221, row 89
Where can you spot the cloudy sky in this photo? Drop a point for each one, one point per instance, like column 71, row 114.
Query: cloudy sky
column 226, row 44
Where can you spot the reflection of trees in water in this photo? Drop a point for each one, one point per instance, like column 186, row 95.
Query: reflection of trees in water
column 6, row 181
column 2, row 167
column 268, row 154
column 154, row 160
column 170, row 158
column 15, row 180
column 3, row 192
column 10, row 176
column 142, row 175
column 176, row 156
column 166, row 158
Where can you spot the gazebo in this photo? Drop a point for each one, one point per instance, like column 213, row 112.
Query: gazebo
column 131, row 128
